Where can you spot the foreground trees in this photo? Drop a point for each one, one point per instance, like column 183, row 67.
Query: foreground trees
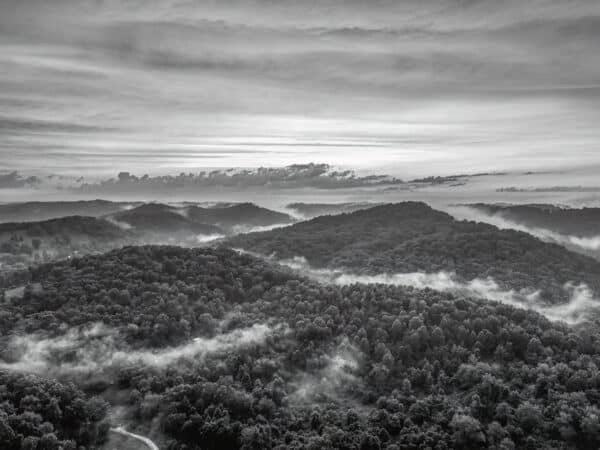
column 42, row 414
column 354, row 367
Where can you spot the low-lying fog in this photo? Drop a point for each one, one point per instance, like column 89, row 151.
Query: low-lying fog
column 576, row 243
column 97, row 347
column 581, row 299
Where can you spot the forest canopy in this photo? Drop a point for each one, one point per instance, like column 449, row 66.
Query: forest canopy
column 359, row 366
column 413, row 237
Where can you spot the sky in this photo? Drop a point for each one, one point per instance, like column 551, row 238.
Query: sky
column 410, row 88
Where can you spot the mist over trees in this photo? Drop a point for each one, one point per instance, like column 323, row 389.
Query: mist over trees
column 361, row 367
column 582, row 222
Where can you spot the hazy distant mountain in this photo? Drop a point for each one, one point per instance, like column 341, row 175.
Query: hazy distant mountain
column 310, row 210
column 33, row 211
column 25, row 243
column 238, row 215
column 161, row 218
column 413, row 237
column 584, row 222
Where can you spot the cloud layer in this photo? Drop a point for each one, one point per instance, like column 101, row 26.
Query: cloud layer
column 89, row 86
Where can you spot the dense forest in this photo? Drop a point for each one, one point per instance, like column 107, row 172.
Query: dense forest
column 239, row 215
column 353, row 367
column 161, row 218
column 26, row 243
column 582, row 222
column 413, row 237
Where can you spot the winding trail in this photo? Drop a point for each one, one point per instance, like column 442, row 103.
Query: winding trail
column 122, row 431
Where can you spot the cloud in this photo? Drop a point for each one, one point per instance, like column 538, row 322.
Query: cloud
column 84, row 84
column 97, row 348
column 13, row 180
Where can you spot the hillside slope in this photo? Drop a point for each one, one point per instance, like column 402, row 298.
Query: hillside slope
column 581, row 222
column 207, row 348
column 413, row 237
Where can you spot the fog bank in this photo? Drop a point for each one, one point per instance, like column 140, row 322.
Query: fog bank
column 581, row 299
column 570, row 241
column 98, row 347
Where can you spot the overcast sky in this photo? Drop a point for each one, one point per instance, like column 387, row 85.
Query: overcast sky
column 408, row 87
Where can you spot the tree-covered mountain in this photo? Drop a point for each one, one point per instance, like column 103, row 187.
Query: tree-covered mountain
column 582, row 222
column 413, row 237
column 219, row 219
column 162, row 219
column 40, row 211
column 238, row 216
column 354, row 367
column 310, row 210
column 27, row 243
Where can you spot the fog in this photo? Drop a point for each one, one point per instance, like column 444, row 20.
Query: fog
column 570, row 241
column 97, row 347
column 205, row 238
column 239, row 229
column 334, row 374
column 581, row 301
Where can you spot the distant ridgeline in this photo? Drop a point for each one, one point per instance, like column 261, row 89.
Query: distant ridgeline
column 584, row 222
column 413, row 237
column 212, row 349
column 32, row 242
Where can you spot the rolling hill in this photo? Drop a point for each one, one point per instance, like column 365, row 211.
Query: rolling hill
column 412, row 237
column 311, row 210
column 25, row 243
column 239, row 216
column 157, row 218
column 208, row 348
column 581, row 222
column 38, row 211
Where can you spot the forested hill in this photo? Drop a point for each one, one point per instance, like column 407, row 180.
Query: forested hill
column 194, row 218
column 582, row 222
column 238, row 215
column 358, row 367
column 162, row 219
column 27, row 243
column 310, row 210
column 38, row 211
column 71, row 225
column 413, row 237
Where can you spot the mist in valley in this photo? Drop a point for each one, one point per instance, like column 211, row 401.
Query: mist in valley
column 581, row 304
column 586, row 245
column 95, row 348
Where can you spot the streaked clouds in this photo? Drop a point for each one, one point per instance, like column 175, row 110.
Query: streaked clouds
column 95, row 87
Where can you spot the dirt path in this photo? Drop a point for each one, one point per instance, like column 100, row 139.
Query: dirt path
column 122, row 431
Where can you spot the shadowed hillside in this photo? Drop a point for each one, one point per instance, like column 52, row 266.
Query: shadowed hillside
column 207, row 348
column 413, row 237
